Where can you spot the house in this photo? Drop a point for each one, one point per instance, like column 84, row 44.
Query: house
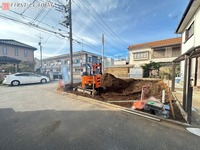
column 12, row 53
column 55, row 63
column 13, row 49
column 163, row 51
column 108, row 62
column 189, row 27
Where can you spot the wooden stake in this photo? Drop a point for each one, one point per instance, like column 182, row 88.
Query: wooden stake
column 171, row 106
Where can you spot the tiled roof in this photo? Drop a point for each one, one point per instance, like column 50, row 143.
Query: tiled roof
column 16, row 43
column 159, row 43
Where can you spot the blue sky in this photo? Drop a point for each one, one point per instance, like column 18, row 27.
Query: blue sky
column 123, row 22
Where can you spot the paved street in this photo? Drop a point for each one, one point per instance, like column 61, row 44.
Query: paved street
column 36, row 117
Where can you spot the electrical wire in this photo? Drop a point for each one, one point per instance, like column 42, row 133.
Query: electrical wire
column 106, row 24
column 31, row 19
column 28, row 24
column 103, row 24
column 27, row 7
column 94, row 23
column 38, row 14
column 44, row 16
column 42, row 28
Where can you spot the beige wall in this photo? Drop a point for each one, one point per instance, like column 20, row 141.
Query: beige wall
column 140, row 62
column 165, row 54
column 11, row 53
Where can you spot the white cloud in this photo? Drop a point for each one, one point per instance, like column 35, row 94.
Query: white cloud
column 105, row 6
column 170, row 15
column 82, row 28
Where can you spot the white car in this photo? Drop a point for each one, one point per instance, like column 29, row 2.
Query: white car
column 24, row 78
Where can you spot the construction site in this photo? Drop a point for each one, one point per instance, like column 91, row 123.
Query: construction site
column 148, row 95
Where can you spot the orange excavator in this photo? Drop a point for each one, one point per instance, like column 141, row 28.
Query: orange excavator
column 91, row 79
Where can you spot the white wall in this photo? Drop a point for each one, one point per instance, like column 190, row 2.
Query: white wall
column 186, row 45
column 120, row 62
column 197, row 28
column 192, row 42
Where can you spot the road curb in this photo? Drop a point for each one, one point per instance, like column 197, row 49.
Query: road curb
column 127, row 110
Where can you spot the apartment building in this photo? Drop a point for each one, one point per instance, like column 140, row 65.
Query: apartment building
column 55, row 63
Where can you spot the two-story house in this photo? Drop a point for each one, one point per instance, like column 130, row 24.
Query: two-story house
column 163, row 51
column 189, row 27
column 17, row 50
column 12, row 53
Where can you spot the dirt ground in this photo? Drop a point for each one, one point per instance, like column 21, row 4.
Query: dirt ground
column 130, row 89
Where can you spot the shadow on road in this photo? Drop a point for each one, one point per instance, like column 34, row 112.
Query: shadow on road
column 50, row 129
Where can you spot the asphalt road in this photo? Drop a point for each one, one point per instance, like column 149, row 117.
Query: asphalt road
column 36, row 117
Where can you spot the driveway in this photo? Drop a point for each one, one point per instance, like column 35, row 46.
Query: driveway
column 36, row 117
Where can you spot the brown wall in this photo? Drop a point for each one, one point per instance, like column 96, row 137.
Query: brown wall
column 118, row 71
column 11, row 53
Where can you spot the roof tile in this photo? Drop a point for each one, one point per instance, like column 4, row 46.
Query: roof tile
column 159, row 43
column 16, row 43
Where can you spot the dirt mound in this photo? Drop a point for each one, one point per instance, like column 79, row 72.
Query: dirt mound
column 130, row 89
column 112, row 83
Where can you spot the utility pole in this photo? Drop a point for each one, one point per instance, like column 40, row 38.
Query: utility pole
column 40, row 44
column 70, row 40
column 102, row 53
column 68, row 23
column 82, row 44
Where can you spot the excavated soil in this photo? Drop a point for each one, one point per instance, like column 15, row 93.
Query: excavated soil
column 130, row 89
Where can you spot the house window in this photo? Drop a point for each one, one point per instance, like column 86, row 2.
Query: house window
column 189, row 32
column 140, row 55
column 89, row 59
column 5, row 51
column 158, row 53
column 176, row 52
column 25, row 53
column 16, row 52
column 76, row 61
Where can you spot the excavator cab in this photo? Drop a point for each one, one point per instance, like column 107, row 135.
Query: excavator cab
column 91, row 76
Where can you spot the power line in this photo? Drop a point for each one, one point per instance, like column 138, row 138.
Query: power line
column 28, row 7
column 106, row 24
column 31, row 19
column 38, row 14
column 44, row 16
column 94, row 23
column 85, row 41
column 91, row 30
column 91, row 45
column 32, row 25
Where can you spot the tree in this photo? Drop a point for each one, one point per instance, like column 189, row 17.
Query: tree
column 148, row 68
column 26, row 67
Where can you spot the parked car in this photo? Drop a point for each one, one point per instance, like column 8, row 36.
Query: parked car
column 24, row 78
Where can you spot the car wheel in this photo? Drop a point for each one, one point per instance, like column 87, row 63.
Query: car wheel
column 43, row 81
column 15, row 83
